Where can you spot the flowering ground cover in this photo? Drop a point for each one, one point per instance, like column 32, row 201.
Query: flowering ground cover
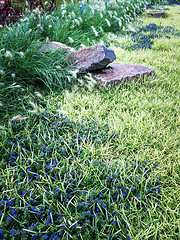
column 91, row 163
column 143, row 36
column 58, row 192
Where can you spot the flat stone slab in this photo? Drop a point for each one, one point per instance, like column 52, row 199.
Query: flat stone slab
column 157, row 14
column 93, row 58
column 119, row 73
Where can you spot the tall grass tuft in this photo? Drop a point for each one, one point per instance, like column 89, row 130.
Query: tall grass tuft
column 74, row 24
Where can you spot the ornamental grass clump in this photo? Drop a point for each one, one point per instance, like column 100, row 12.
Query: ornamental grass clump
column 74, row 24
column 88, row 22
column 29, row 67
column 22, row 61
column 53, row 189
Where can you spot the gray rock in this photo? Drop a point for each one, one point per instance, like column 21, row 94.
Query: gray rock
column 50, row 46
column 157, row 14
column 118, row 73
column 93, row 58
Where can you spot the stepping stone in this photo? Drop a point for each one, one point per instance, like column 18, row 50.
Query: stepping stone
column 117, row 73
column 157, row 14
column 93, row 58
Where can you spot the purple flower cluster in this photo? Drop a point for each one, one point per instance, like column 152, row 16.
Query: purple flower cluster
column 143, row 37
column 67, row 206
column 52, row 188
column 170, row 2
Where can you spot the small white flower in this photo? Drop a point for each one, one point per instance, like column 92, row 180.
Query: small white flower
column 8, row 54
column 62, row 112
column 58, row 67
column 18, row 118
column 115, row 13
column 47, row 16
column 1, row 72
column 37, row 94
column 110, row 14
column 80, row 19
column 101, row 30
column 108, row 22
column 21, row 54
column 83, row 46
column 63, row 12
column 2, row 127
column 119, row 22
column 24, row 19
column 34, row 11
column 68, row 78
column 101, row 42
column 94, row 30
column 70, row 40
column 101, row 15
column 14, row 85
column 13, row 76
column 33, row 105
column 77, row 22
column 74, row 73
column 131, row 28
column 73, row 14
column 50, row 26
column 32, row 111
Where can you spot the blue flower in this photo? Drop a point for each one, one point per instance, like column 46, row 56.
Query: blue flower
column 12, row 231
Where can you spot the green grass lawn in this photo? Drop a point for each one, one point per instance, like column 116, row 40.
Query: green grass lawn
column 79, row 158
column 146, row 119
